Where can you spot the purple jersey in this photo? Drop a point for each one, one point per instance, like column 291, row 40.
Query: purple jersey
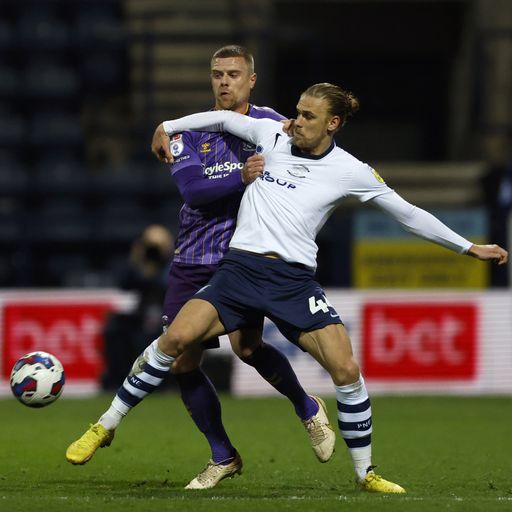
column 207, row 172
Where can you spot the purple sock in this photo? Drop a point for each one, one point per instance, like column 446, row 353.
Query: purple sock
column 202, row 403
column 275, row 368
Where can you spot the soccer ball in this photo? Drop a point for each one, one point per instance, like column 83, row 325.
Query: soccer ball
column 37, row 379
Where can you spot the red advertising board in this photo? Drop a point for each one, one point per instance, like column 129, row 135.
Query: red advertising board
column 69, row 330
column 420, row 341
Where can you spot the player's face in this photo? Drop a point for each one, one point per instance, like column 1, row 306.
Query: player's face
column 314, row 126
column 232, row 82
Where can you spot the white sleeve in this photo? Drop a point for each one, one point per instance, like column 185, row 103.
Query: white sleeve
column 421, row 223
column 366, row 183
column 245, row 127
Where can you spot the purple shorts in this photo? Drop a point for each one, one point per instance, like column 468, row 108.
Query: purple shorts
column 184, row 281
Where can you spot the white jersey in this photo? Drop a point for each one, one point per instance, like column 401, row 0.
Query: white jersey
column 282, row 211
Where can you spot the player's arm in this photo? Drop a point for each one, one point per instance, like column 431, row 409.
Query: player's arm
column 245, row 127
column 188, row 174
column 196, row 190
column 425, row 225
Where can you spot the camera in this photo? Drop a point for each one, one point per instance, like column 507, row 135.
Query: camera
column 153, row 253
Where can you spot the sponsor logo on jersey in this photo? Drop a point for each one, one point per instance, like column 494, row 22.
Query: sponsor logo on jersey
column 299, row 171
column 259, row 149
column 181, row 159
column 278, row 181
column 247, row 146
column 205, row 148
column 378, row 176
column 223, row 167
column 176, row 136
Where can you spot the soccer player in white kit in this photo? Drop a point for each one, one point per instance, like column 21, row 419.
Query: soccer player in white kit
column 269, row 270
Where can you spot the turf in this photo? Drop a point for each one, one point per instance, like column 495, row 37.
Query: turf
column 449, row 453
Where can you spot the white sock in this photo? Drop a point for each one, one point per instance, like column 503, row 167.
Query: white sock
column 362, row 460
column 155, row 359
column 355, row 420
column 114, row 414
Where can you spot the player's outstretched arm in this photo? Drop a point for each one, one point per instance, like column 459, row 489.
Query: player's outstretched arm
column 491, row 252
column 424, row 224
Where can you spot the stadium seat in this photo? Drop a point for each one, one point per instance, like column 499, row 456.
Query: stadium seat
column 121, row 222
column 14, row 176
column 61, row 173
column 68, row 268
column 39, row 28
column 9, row 82
column 168, row 214
column 99, row 27
column 59, row 129
column 104, row 71
column 61, row 221
column 120, row 180
column 11, row 221
column 6, row 35
column 159, row 179
column 12, row 130
column 44, row 79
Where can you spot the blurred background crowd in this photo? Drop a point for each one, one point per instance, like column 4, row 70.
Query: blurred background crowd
column 83, row 83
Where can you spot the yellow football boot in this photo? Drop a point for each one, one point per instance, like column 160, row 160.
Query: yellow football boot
column 82, row 450
column 375, row 483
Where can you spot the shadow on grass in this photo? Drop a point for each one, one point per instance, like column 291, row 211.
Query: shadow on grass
column 237, row 489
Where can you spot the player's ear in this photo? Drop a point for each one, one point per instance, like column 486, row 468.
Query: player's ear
column 252, row 80
column 334, row 124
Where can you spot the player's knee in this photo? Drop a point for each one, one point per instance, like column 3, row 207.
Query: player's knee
column 245, row 352
column 345, row 372
column 186, row 362
column 245, row 347
column 175, row 341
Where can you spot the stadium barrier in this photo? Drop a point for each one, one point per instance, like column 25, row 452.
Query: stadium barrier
column 433, row 341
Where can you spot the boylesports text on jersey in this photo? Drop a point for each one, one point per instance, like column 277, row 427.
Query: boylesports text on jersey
column 223, row 167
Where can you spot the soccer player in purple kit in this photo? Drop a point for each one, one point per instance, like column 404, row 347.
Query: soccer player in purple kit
column 211, row 176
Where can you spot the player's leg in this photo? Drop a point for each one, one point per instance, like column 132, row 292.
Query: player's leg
column 201, row 400
column 202, row 403
column 275, row 368
column 197, row 321
column 331, row 347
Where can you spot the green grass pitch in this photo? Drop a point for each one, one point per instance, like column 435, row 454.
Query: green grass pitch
column 449, row 453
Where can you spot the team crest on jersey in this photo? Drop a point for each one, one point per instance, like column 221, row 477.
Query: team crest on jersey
column 380, row 179
column 299, row 171
column 247, row 146
column 205, row 148
column 176, row 147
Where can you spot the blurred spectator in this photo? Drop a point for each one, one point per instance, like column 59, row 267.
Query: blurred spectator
column 145, row 273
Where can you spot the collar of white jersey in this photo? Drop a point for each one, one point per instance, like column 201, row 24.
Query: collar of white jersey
column 297, row 152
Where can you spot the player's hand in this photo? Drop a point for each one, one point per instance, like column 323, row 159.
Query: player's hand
column 253, row 169
column 160, row 145
column 288, row 126
column 490, row 252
